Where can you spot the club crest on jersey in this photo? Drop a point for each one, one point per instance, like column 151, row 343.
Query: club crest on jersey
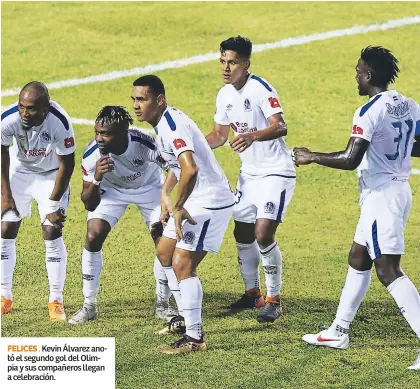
column 138, row 162
column 247, row 105
column 188, row 237
column 45, row 136
column 269, row 207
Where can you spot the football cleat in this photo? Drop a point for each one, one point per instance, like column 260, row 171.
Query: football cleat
column 56, row 311
column 416, row 364
column 323, row 338
column 185, row 345
column 248, row 302
column 270, row 312
column 175, row 326
column 86, row 313
column 165, row 310
column 6, row 305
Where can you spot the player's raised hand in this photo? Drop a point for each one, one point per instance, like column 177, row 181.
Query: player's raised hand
column 241, row 142
column 180, row 215
column 104, row 165
column 302, row 156
column 57, row 219
column 8, row 204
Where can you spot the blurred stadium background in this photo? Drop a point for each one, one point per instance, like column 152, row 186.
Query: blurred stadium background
column 59, row 41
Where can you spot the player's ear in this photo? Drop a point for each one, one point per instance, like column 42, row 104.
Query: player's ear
column 368, row 76
column 161, row 99
column 247, row 65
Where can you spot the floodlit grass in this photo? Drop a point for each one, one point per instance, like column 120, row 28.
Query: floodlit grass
column 56, row 41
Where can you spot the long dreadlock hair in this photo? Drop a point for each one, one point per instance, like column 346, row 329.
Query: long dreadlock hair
column 382, row 65
column 111, row 114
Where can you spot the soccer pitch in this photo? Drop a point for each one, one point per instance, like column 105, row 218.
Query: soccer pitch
column 52, row 41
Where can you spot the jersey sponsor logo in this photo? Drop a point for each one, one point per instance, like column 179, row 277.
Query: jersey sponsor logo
column 269, row 207
column 69, row 142
column 188, row 237
column 247, row 105
column 45, row 136
column 241, row 128
column 357, row 130
column 36, row 152
column 138, row 162
column 398, row 110
column 131, row 177
column 179, row 143
column 274, row 102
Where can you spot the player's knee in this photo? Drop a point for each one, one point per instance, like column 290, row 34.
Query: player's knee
column 264, row 237
column 164, row 258
column 244, row 232
column 182, row 268
column 387, row 273
column 9, row 230
column 95, row 240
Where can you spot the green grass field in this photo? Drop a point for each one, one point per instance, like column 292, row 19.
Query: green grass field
column 58, row 41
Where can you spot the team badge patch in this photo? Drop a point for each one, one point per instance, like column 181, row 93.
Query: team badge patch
column 247, row 105
column 269, row 207
column 45, row 136
column 138, row 162
column 189, row 237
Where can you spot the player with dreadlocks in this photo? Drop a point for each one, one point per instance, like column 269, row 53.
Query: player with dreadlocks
column 380, row 146
column 120, row 166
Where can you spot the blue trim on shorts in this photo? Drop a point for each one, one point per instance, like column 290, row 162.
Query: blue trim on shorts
column 279, row 175
column 376, row 248
column 203, row 233
column 281, row 206
column 217, row 209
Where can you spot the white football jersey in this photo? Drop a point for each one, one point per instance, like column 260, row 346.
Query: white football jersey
column 388, row 121
column 35, row 150
column 177, row 133
column 136, row 168
column 246, row 110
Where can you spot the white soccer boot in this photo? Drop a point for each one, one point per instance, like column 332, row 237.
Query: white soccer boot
column 323, row 338
column 416, row 364
column 86, row 313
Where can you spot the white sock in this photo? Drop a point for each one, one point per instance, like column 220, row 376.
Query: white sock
column 192, row 300
column 56, row 263
column 8, row 262
column 272, row 263
column 407, row 298
column 249, row 261
column 174, row 287
column 92, row 263
column 354, row 290
column 163, row 292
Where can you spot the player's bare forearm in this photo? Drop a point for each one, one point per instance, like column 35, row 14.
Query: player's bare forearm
column 218, row 136
column 5, row 166
column 276, row 129
column 169, row 183
column 62, row 180
column 90, row 196
column 189, row 173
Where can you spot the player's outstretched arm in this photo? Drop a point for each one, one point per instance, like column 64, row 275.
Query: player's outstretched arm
column 7, row 201
column 218, row 136
column 348, row 159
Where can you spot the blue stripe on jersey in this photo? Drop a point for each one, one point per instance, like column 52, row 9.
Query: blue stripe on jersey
column 62, row 118
column 203, row 233
column 170, row 121
column 376, row 248
column 368, row 105
column 262, row 82
column 7, row 113
column 417, row 132
column 90, row 151
column 281, row 206
column 143, row 141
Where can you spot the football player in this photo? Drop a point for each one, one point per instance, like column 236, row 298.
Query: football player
column 379, row 147
column 250, row 106
column 200, row 214
column 120, row 167
column 37, row 167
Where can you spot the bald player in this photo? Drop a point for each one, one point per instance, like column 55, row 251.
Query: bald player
column 37, row 167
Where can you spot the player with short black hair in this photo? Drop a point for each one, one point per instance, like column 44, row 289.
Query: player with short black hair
column 38, row 167
column 120, row 166
column 379, row 147
column 200, row 214
column 250, row 106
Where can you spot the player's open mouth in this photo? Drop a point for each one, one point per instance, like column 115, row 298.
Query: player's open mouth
column 138, row 113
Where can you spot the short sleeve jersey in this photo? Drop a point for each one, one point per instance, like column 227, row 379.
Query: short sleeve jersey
column 389, row 122
column 136, row 168
column 176, row 133
column 36, row 150
column 247, row 110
